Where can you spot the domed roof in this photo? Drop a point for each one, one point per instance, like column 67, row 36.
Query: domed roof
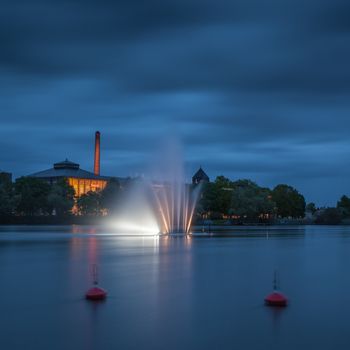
column 66, row 164
column 66, row 168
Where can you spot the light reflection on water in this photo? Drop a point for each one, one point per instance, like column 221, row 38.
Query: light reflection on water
column 199, row 292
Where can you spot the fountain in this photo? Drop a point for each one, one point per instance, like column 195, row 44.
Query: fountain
column 136, row 215
column 174, row 205
column 174, row 201
column 165, row 202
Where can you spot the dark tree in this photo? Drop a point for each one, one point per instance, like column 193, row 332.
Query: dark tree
column 289, row 202
column 329, row 216
column 242, row 198
column 61, row 198
column 223, row 190
column 311, row 208
column 7, row 198
column 215, row 198
column 31, row 196
column 251, row 201
column 89, row 204
column 344, row 206
column 206, row 199
column 110, row 196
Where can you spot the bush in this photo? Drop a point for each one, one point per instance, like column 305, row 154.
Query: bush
column 329, row 216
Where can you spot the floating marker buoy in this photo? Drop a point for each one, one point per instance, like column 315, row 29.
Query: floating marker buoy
column 276, row 298
column 95, row 293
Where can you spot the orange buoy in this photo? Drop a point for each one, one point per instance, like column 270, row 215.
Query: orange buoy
column 95, row 293
column 276, row 298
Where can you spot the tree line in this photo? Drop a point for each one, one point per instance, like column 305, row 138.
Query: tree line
column 244, row 201
column 241, row 201
column 331, row 215
column 29, row 196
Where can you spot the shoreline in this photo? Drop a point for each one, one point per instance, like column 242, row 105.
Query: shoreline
column 93, row 221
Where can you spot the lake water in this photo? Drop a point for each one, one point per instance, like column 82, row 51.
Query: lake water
column 174, row 293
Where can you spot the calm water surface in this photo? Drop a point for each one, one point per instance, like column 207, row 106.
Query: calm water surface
column 174, row 293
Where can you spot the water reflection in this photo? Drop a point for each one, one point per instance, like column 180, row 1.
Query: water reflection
column 175, row 292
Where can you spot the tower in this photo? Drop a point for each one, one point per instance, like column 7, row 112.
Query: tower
column 199, row 177
column 97, row 153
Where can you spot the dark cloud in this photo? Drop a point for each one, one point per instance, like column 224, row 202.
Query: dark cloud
column 254, row 89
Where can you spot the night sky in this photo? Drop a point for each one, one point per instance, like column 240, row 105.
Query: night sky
column 253, row 89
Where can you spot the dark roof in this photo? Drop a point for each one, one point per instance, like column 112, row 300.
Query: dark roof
column 200, row 174
column 67, row 168
column 66, row 164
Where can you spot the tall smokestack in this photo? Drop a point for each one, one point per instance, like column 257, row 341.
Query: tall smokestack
column 97, row 153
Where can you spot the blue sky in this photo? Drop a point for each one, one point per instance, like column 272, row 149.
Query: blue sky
column 253, row 89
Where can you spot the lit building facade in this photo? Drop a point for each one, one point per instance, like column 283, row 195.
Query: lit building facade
column 81, row 180
column 83, row 186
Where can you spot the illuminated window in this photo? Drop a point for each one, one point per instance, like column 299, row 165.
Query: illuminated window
column 81, row 188
column 87, row 186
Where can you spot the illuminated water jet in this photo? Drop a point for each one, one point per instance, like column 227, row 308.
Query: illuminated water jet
column 175, row 205
column 174, row 200
column 165, row 204
column 136, row 215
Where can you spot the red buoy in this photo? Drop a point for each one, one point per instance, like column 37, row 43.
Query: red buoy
column 96, row 293
column 276, row 298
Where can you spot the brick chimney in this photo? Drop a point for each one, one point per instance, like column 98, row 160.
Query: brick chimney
column 97, row 153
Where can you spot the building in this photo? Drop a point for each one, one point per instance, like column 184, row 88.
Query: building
column 199, row 177
column 82, row 181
